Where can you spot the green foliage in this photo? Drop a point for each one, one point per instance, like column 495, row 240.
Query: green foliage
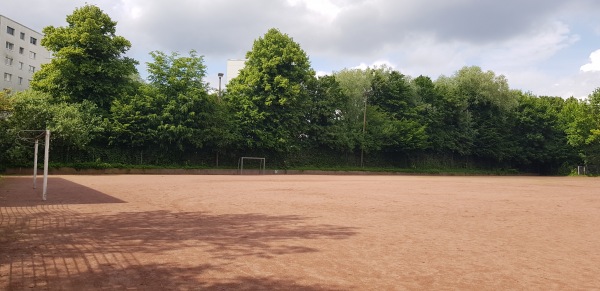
column 71, row 125
column 480, row 107
column 173, row 74
column 327, row 115
column 270, row 95
column 173, row 111
column 356, row 85
column 102, row 115
column 401, row 127
column 542, row 142
column 88, row 62
column 581, row 119
column 5, row 104
column 6, row 109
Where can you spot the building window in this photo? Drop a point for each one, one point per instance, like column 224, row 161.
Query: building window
column 20, row 80
column 22, row 35
column 33, row 40
column 21, row 50
column 32, row 55
column 32, row 69
column 10, row 45
column 7, row 77
column 20, row 65
column 8, row 61
column 10, row 30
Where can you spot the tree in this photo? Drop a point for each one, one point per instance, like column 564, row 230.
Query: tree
column 402, row 128
column 6, row 140
column 173, row 74
column 539, row 135
column 72, row 125
column 436, row 115
column 356, row 85
column 269, row 97
column 88, row 61
column 327, row 115
column 489, row 104
column 582, row 126
column 174, row 112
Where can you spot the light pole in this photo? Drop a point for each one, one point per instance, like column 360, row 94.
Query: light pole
column 220, row 76
column 362, row 148
column 219, row 99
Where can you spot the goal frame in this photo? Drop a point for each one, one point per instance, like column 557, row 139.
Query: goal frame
column 37, row 135
column 262, row 164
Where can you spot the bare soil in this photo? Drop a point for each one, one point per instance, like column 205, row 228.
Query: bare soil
column 300, row 232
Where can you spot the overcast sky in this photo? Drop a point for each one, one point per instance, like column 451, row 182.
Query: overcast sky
column 547, row 47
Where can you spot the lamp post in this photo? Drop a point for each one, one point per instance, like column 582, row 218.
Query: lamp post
column 362, row 147
column 220, row 76
column 219, row 99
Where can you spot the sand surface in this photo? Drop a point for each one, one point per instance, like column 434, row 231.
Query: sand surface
column 300, row 232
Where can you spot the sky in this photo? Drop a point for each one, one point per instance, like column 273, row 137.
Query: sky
column 546, row 47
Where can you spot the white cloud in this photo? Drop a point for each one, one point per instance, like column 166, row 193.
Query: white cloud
column 594, row 65
column 321, row 73
column 323, row 7
column 375, row 65
column 539, row 45
column 534, row 43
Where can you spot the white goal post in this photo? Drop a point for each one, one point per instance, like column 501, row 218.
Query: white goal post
column 261, row 165
column 35, row 136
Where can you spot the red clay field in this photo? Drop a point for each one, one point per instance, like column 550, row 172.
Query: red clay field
column 300, row 232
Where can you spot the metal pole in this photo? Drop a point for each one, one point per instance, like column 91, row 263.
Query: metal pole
column 46, row 157
column 35, row 161
column 362, row 148
column 220, row 76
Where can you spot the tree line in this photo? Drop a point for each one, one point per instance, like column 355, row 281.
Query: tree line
column 100, row 111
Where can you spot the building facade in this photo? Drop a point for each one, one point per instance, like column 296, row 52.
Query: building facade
column 233, row 68
column 22, row 54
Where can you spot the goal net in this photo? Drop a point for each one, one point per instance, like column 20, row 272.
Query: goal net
column 243, row 165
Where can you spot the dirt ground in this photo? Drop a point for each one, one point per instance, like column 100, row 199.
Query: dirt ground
column 300, row 232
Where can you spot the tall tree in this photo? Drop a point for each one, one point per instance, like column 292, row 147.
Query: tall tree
column 356, row 85
column 327, row 116
column 73, row 126
column 173, row 112
column 270, row 94
column 582, row 126
column 541, row 139
column 88, row 61
column 6, row 139
column 490, row 102
column 402, row 127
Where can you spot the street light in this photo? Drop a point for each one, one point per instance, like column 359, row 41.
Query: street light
column 362, row 148
column 219, row 98
column 220, row 76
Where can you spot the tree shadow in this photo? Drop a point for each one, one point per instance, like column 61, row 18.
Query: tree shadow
column 158, row 277
column 58, row 246
column 19, row 192
column 225, row 236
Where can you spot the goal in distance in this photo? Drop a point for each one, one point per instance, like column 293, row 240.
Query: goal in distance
column 261, row 166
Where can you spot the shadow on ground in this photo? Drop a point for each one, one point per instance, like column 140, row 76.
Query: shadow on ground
column 19, row 192
column 49, row 246
column 160, row 277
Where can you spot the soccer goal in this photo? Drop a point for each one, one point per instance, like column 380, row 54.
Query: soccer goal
column 34, row 136
column 261, row 165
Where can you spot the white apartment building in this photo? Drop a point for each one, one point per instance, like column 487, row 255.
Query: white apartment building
column 22, row 54
column 233, row 68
